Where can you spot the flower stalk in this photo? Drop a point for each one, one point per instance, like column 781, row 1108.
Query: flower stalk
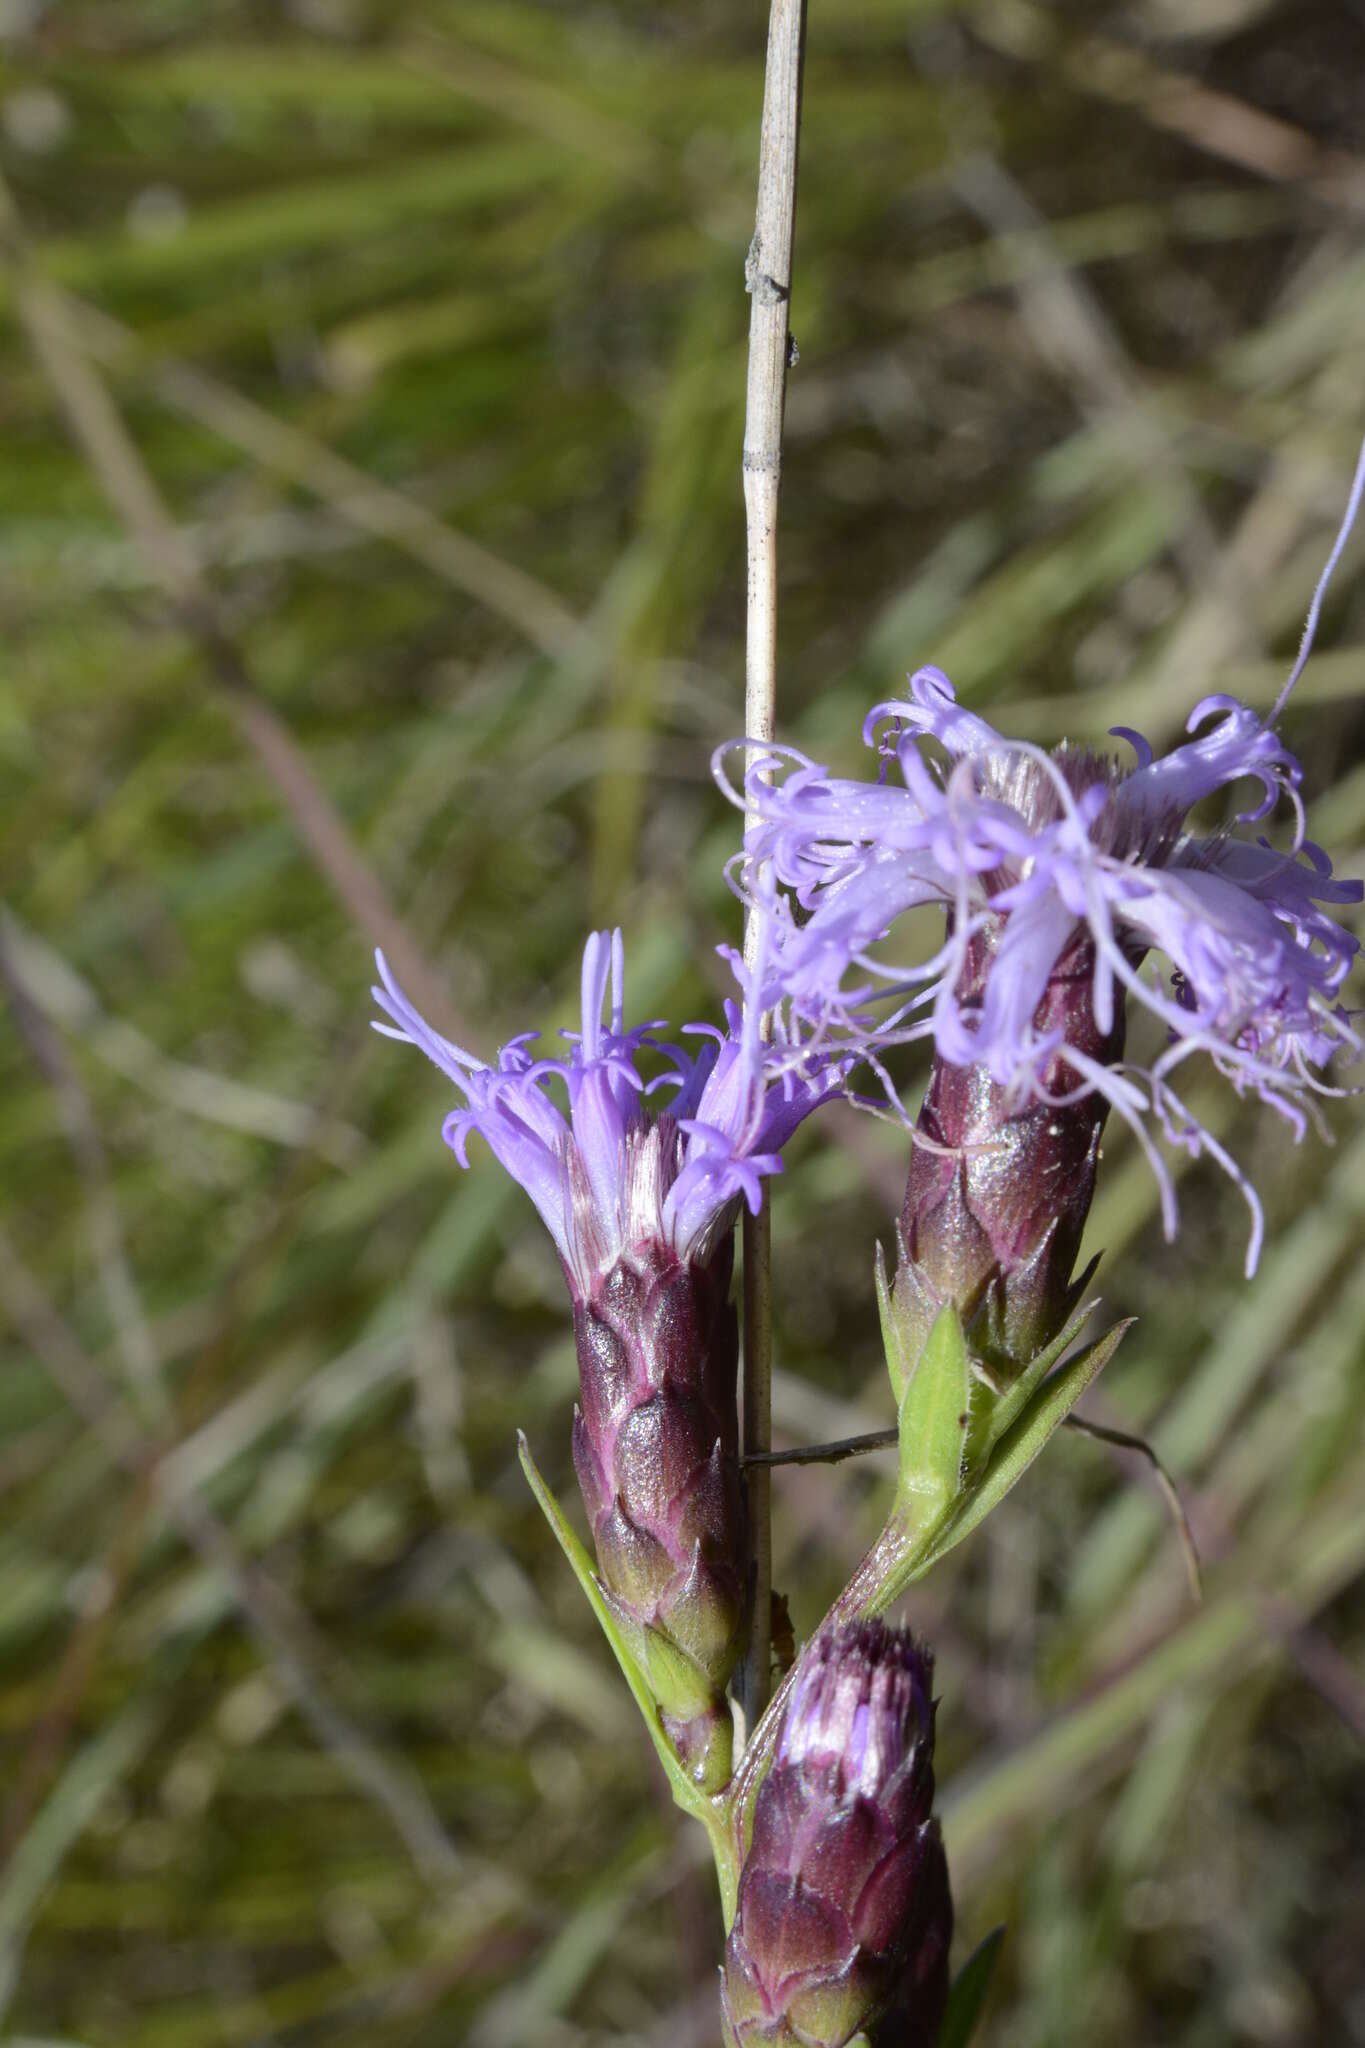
column 768, row 274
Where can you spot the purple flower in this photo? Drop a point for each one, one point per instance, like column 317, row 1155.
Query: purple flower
column 1033, row 852
column 642, row 1210
column 605, row 1174
column 844, row 1915
column 1050, row 868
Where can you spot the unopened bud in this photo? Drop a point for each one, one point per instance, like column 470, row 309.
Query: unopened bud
column 844, row 1914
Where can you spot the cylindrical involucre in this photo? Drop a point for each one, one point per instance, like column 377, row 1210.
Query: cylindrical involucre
column 996, row 1202
column 658, row 1461
column 844, row 1914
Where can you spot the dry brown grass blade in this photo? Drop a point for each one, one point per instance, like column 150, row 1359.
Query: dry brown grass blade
column 519, row 600
column 1209, row 119
column 99, row 430
column 281, row 1630
column 535, row 104
column 354, row 497
column 278, row 1625
column 1125, row 1440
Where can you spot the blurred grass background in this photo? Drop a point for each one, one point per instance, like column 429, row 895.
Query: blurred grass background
column 371, row 566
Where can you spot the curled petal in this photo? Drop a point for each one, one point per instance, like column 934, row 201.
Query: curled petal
column 1041, row 851
column 604, row 1176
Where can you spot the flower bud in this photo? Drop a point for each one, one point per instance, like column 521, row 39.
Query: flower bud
column 655, row 1446
column 844, row 1914
column 996, row 1203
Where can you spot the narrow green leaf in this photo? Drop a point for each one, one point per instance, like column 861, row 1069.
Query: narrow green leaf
column 587, row 1579
column 66, row 1813
column 1004, row 1412
column 1018, row 1448
column 933, row 1423
column 967, row 1999
column 684, row 1791
column 897, row 1365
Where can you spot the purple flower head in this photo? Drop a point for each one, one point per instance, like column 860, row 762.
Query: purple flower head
column 641, row 1207
column 1034, row 853
column 605, row 1174
column 844, row 1915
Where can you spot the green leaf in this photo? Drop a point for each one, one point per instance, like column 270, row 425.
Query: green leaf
column 1005, row 1411
column 897, row 1365
column 1020, row 1445
column 933, row 1424
column 967, row 1999
column 687, row 1795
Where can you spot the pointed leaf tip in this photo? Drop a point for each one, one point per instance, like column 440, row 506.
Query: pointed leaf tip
column 1016, row 1450
column 896, row 1365
column 967, row 1998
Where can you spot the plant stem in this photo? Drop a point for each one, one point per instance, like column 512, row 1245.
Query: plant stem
column 827, row 1454
column 767, row 276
